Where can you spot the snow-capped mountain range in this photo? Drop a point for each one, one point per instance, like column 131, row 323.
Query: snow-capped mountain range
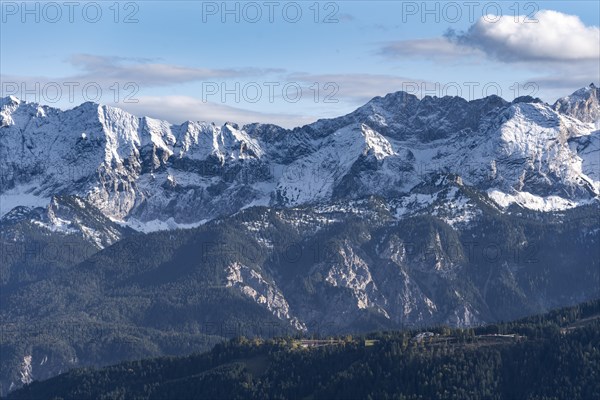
column 403, row 213
column 150, row 174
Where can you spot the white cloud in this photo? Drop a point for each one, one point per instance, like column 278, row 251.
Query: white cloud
column 106, row 71
column 359, row 88
column 552, row 36
column 177, row 109
column 436, row 48
column 149, row 73
column 558, row 50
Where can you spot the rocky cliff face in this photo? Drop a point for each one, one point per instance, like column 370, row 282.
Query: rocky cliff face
column 582, row 104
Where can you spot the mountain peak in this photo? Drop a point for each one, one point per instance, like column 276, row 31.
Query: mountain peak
column 583, row 104
column 9, row 100
column 526, row 99
column 393, row 99
column 390, row 104
column 585, row 92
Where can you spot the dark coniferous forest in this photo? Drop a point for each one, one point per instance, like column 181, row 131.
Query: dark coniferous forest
column 547, row 357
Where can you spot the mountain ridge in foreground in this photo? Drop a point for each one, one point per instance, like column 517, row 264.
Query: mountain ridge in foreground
column 551, row 356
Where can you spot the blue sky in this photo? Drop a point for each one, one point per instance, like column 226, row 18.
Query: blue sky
column 183, row 60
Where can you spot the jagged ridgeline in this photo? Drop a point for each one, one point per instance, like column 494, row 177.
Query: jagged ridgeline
column 149, row 173
column 553, row 356
column 123, row 237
